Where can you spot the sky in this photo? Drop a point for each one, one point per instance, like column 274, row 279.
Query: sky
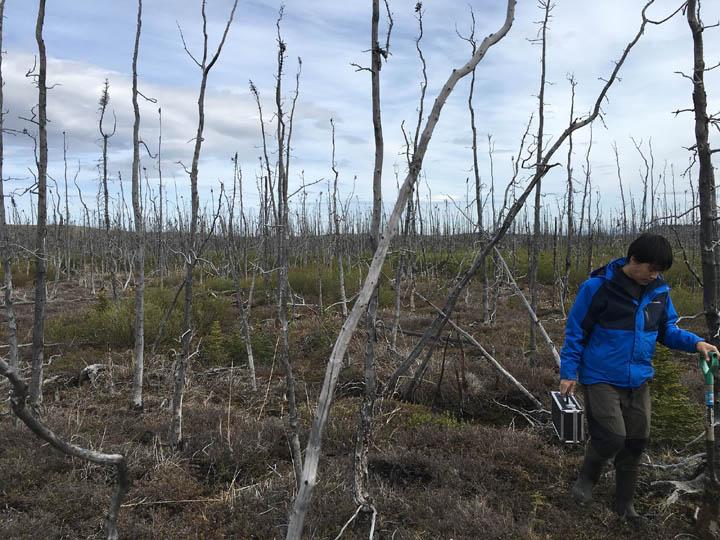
column 91, row 40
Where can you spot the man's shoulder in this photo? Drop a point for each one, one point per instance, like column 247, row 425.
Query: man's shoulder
column 593, row 283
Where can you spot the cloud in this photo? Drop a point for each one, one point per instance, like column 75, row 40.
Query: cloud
column 585, row 38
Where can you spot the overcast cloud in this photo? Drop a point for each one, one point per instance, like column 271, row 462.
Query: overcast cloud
column 91, row 40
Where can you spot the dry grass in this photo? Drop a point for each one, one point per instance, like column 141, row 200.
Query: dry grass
column 439, row 468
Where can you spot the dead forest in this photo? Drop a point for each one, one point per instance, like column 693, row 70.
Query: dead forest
column 191, row 366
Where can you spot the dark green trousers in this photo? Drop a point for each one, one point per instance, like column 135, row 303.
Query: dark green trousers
column 618, row 422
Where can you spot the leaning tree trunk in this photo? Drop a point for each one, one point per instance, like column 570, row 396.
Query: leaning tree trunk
column 38, row 342
column 312, row 453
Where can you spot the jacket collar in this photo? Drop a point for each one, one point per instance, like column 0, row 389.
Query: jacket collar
column 611, row 269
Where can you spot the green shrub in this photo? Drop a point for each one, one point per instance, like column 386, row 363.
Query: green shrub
column 263, row 347
column 22, row 276
column 675, row 419
column 420, row 418
column 218, row 284
column 214, row 352
column 107, row 324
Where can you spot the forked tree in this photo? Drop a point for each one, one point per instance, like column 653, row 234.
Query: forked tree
column 205, row 64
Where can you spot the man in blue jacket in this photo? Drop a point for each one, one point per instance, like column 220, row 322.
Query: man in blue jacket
column 618, row 316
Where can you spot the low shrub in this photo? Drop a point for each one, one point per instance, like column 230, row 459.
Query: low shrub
column 675, row 419
column 110, row 325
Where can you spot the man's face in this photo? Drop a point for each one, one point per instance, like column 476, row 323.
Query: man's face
column 642, row 273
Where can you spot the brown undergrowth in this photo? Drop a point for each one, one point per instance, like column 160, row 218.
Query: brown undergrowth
column 459, row 461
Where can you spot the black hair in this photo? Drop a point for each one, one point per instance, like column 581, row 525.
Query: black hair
column 651, row 248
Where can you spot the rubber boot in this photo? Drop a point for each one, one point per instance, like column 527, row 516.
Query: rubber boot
column 588, row 477
column 625, row 483
column 626, row 476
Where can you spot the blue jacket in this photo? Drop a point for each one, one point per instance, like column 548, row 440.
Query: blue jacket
column 610, row 335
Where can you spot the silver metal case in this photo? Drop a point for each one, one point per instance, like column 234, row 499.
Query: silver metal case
column 567, row 417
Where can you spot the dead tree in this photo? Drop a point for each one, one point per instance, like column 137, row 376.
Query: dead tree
column 38, row 346
column 7, row 285
column 205, row 64
column 709, row 236
column 476, row 175
column 66, row 230
column 312, row 452
column 244, row 304
column 570, row 210
column 139, row 325
column 534, row 255
column 363, row 435
column 709, row 231
column 283, row 133
column 337, row 239
column 106, row 135
column 622, row 192
column 162, row 265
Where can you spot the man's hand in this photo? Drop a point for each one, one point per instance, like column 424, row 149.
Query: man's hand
column 704, row 348
column 568, row 387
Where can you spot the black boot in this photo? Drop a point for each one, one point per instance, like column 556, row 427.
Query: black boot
column 625, row 483
column 588, row 477
column 626, row 476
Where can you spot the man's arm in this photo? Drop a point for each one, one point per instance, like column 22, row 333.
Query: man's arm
column 577, row 328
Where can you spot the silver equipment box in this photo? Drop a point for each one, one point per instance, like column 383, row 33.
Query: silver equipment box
column 567, row 417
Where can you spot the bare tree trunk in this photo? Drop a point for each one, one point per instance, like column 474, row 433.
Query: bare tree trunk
column 176, row 434
column 312, row 453
column 709, row 233
column 66, row 231
column 570, row 209
column 243, row 305
column 4, row 235
column 622, row 193
column 162, row 265
column 104, row 101
column 283, row 238
column 38, row 347
column 337, row 239
column 485, row 292
column 139, row 328
column 535, row 250
column 363, row 437
column 709, row 516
